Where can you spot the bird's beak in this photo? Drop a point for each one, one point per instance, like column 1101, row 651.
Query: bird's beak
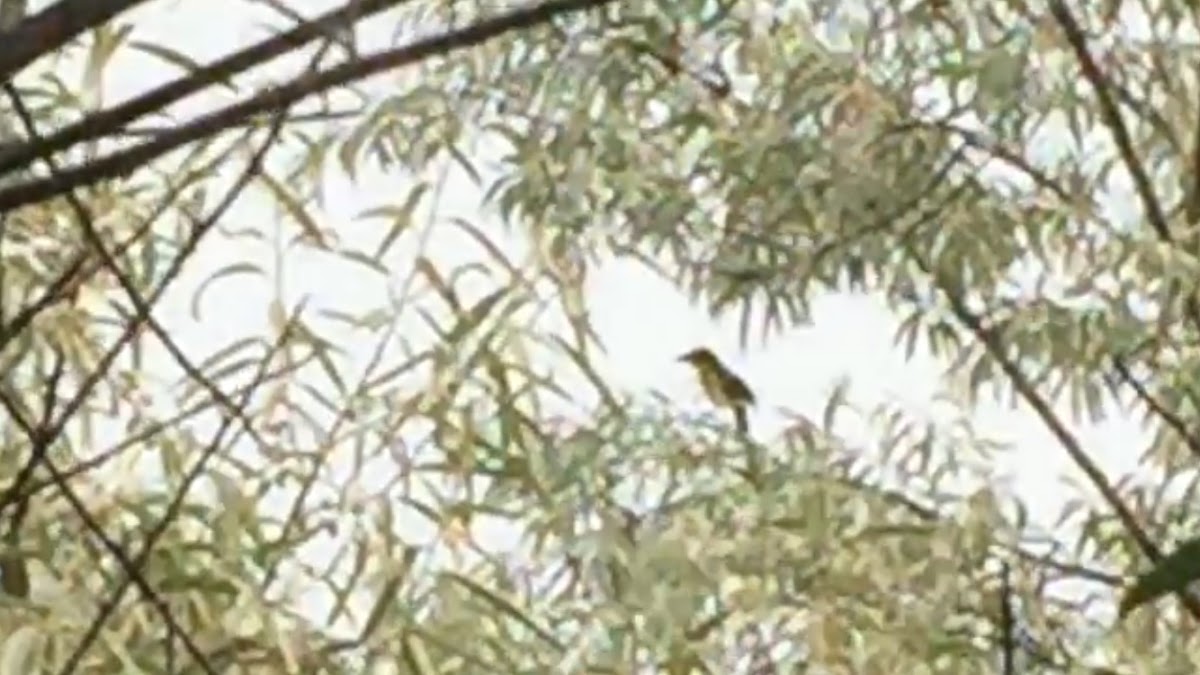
column 684, row 357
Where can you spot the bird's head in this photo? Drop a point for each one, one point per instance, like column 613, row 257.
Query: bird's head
column 699, row 356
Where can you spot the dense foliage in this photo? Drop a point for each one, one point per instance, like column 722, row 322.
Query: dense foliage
column 447, row 481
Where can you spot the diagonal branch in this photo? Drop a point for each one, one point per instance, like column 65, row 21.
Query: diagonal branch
column 89, row 383
column 199, row 231
column 41, row 446
column 112, row 120
column 997, row 151
column 1172, row 420
column 52, row 28
column 252, row 169
column 86, row 222
column 40, row 437
column 1111, row 115
column 124, row 162
column 133, row 570
column 83, row 266
column 1025, row 387
column 150, row 432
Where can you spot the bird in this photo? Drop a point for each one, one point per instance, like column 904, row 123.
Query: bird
column 724, row 388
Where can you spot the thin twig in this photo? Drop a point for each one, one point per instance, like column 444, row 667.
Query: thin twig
column 38, row 438
column 995, row 348
column 252, row 169
column 1111, row 115
column 149, row 432
column 86, row 222
column 133, row 571
column 1170, row 418
column 83, row 266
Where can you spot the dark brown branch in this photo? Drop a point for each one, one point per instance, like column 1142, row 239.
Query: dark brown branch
column 49, row 400
column 995, row 150
column 40, row 437
column 86, row 223
column 52, row 28
column 1172, row 420
column 1111, row 115
column 112, row 120
column 54, row 430
column 124, row 162
column 133, row 326
column 995, row 348
column 1008, row 623
column 151, row 431
column 83, row 266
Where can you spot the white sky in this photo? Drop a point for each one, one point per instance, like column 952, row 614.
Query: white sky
column 850, row 336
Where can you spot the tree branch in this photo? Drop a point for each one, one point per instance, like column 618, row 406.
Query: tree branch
column 113, row 120
column 133, row 569
column 52, row 28
column 86, row 223
column 124, row 162
column 1111, row 115
column 40, row 437
column 1025, row 387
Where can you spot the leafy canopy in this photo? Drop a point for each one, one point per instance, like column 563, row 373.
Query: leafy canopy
column 436, row 475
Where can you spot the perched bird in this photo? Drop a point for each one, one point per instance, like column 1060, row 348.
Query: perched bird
column 721, row 385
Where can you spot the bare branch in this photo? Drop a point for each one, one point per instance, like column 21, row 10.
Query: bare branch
column 124, row 162
column 151, row 431
column 1111, row 115
column 40, row 438
column 52, row 28
column 83, row 266
column 1172, row 420
column 112, row 120
column 252, row 169
column 86, row 222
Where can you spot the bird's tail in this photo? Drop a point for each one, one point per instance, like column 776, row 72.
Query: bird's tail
column 743, row 424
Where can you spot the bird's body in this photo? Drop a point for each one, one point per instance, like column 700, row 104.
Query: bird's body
column 721, row 385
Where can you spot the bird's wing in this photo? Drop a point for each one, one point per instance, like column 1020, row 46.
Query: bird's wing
column 739, row 390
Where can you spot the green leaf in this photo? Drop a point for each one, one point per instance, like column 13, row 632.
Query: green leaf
column 106, row 39
column 293, row 207
column 506, row 606
column 21, row 650
column 232, row 270
column 1172, row 574
column 474, row 316
column 430, row 271
column 401, row 216
column 183, row 61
